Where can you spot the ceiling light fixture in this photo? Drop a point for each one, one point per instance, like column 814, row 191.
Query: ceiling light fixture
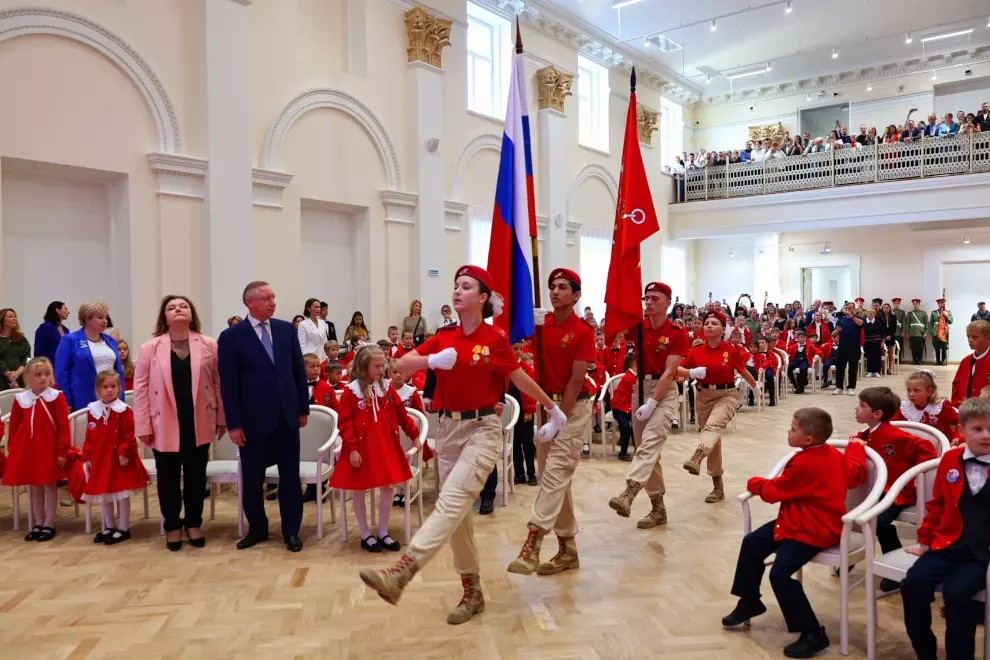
column 769, row 68
column 790, row 248
column 757, row 72
column 714, row 27
column 807, row 98
column 732, row 254
column 619, row 4
column 907, row 38
column 948, row 35
column 708, row 79
column 966, row 240
column 646, row 43
column 835, row 53
column 827, row 249
column 787, row 7
column 934, row 75
column 869, row 88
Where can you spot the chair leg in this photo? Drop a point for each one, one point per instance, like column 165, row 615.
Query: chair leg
column 844, row 607
column 89, row 518
column 213, row 501
column 505, row 478
column 16, row 505
column 343, row 514
column 333, row 505
column 319, row 505
column 146, row 503
column 406, row 510
column 419, row 503
column 871, row 614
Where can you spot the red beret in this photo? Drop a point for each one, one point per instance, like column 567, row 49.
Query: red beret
column 896, row 300
column 565, row 274
column 477, row 273
column 716, row 314
column 659, row 287
column 861, row 300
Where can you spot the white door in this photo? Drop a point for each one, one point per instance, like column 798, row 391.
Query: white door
column 965, row 285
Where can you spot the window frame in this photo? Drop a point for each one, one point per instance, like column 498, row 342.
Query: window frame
column 498, row 61
column 593, row 107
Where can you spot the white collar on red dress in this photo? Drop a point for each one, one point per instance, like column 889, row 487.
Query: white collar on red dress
column 912, row 414
column 27, row 397
column 102, row 410
column 355, row 388
column 405, row 391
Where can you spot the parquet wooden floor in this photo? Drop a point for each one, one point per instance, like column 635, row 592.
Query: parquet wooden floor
column 638, row 594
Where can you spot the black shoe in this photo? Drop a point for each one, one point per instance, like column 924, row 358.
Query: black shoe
column 743, row 613
column 33, row 534
column 799, row 390
column 586, row 451
column 174, row 546
column 293, row 543
column 487, row 507
column 675, row 424
column 519, row 480
column 625, row 458
column 119, row 536
column 389, row 543
column 309, row 495
column 598, row 428
column 101, row 537
column 272, row 492
column 887, row 585
column 250, row 540
column 46, row 534
column 533, row 481
column 371, row 544
column 808, row 645
column 399, row 500
column 691, row 421
column 196, row 543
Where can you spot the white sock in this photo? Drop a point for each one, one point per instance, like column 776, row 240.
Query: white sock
column 361, row 512
column 124, row 514
column 107, row 515
column 50, row 494
column 36, row 500
column 384, row 509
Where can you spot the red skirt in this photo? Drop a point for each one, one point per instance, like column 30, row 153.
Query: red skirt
column 383, row 463
column 108, row 481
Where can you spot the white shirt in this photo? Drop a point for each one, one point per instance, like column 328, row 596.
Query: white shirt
column 976, row 471
column 103, row 356
column 311, row 337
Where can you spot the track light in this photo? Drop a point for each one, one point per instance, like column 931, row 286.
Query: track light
column 732, row 254
column 869, row 88
column 835, row 54
column 934, row 75
column 713, row 27
column 769, row 68
column 708, row 79
column 787, row 7
column 948, row 35
column 790, row 248
column 806, row 98
column 827, row 249
column 966, row 239
column 646, row 42
column 907, row 38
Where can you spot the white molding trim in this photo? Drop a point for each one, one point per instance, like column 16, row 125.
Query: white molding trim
column 454, row 215
column 406, row 5
column 325, row 97
column 179, row 176
column 488, row 141
column 22, row 21
column 400, row 207
column 594, row 171
column 267, row 187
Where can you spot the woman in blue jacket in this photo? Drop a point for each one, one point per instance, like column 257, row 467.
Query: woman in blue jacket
column 49, row 334
column 83, row 354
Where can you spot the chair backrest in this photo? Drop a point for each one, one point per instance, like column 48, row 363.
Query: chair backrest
column 937, row 438
column 322, row 426
column 224, row 449
column 876, row 478
column 510, row 413
column 433, row 420
column 422, row 423
column 129, row 398
column 785, row 359
column 7, row 400
column 610, row 386
column 77, row 426
column 5, row 421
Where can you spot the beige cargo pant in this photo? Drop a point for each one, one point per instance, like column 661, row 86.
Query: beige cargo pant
column 650, row 438
column 467, row 450
column 556, row 461
column 715, row 409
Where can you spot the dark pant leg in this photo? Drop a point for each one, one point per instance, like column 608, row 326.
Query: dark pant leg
column 917, row 349
column 253, row 464
column 194, row 461
column 770, row 385
column 488, row 492
column 752, row 372
column 961, row 617
column 290, row 503
column 840, row 369
column 169, row 467
column 791, row 556
column 917, row 594
column 756, row 547
column 853, row 368
column 941, row 349
column 624, row 422
column 524, row 449
column 691, row 398
column 517, row 450
column 886, row 532
column 798, row 374
column 874, row 357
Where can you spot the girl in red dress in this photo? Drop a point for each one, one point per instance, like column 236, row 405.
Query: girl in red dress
column 370, row 416
column 110, row 451
column 410, row 397
column 925, row 406
column 38, row 445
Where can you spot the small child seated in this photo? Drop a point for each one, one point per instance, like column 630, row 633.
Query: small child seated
column 812, row 492
column 332, row 349
column 321, row 393
column 953, row 542
column 335, row 377
column 769, row 361
column 925, row 407
column 901, row 451
column 801, row 356
column 973, row 374
column 622, row 406
column 407, row 345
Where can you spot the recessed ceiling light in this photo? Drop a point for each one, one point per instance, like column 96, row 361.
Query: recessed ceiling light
column 708, row 79
column 769, row 67
column 835, row 53
column 787, row 7
column 966, row 240
column 619, row 4
column 948, row 35
column 713, row 26
column 907, row 38
column 934, row 75
column 869, row 88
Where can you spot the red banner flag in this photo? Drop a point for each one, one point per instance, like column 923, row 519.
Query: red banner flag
column 635, row 221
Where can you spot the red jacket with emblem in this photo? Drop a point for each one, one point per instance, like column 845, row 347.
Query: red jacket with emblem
column 812, row 493
column 323, row 395
column 622, row 396
column 943, row 523
column 901, row 451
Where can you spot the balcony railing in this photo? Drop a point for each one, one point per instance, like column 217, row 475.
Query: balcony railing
column 927, row 157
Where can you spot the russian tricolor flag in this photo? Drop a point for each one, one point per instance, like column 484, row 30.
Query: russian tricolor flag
column 510, row 256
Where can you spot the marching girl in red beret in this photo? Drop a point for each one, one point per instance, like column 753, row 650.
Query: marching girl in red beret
column 471, row 361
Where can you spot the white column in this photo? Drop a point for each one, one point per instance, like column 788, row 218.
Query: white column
column 553, row 189
column 356, row 12
column 227, row 206
column 425, row 123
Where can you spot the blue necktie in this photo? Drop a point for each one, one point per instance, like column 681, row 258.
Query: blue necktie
column 266, row 341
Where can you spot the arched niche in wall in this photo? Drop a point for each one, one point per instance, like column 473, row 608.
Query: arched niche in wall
column 592, row 197
column 470, row 174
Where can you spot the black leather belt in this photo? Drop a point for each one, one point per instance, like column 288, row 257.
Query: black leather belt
column 557, row 398
column 652, row 376
column 722, row 386
column 469, row 414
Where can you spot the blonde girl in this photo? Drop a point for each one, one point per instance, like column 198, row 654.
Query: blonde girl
column 924, row 405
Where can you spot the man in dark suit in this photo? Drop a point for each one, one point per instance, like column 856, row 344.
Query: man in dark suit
column 331, row 331
column 266, row 400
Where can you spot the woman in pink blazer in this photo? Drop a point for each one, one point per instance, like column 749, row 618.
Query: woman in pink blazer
column 178, row 413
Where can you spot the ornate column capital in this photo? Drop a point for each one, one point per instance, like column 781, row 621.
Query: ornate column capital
column 646, row 120
column 554, row 86
column 428, row 36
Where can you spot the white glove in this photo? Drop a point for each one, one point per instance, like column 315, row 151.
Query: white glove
column 557, row 421
column 443, row 360
column 756, row 388
column 539, row 315
column 644, row 411
column 697, row 373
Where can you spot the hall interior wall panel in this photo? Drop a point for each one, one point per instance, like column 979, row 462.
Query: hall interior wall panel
column 396, row 260
column 965, row 285
column 966, row 95
column 593, row 205
column 277, row 246
column 184, row 237
column 328, row 264
column 725, row 277
column 455, row 255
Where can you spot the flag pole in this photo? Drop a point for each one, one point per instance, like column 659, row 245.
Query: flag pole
column 640, row 376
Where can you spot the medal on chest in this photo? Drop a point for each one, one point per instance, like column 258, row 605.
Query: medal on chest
column 662, row 343
column 480, row 354
column 725, row 359
column 566, row 339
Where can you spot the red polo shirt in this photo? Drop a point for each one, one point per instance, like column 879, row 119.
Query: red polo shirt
column 484, row 359
column 721, row 362
column 571, row 341
column 660, row 343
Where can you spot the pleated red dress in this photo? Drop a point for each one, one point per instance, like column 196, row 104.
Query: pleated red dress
column 371, row 427
column 110, row 435
column 38, row 434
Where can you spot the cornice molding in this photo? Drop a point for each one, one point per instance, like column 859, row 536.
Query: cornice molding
column 267, row 187
column 179, row 176
column 400, row 207
column 857, row 76
column 406, row 5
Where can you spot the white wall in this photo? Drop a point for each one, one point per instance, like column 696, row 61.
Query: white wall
column 967, row 95
column 830, row 283
column 965, row 284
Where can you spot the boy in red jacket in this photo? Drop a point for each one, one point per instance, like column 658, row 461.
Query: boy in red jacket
column 812, row 492
column 973, row 373
column 622, row 407
column 953, row 542
column 801, row 356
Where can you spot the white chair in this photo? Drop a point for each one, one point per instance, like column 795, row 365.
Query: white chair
column 852, row 546
column 223, row 468
column 129, row 398
column 782, row 379
column 685, row 407
column 509, row 419
column 147, row 457
column 433, row 419
column 897, row 357
column 414, row 486
column 15, row 490
column 609, row 427
column 317, row 441
column 894, row 565
column 77, row 431
column 914, row 514
column 7, row 400
column 815, row 373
